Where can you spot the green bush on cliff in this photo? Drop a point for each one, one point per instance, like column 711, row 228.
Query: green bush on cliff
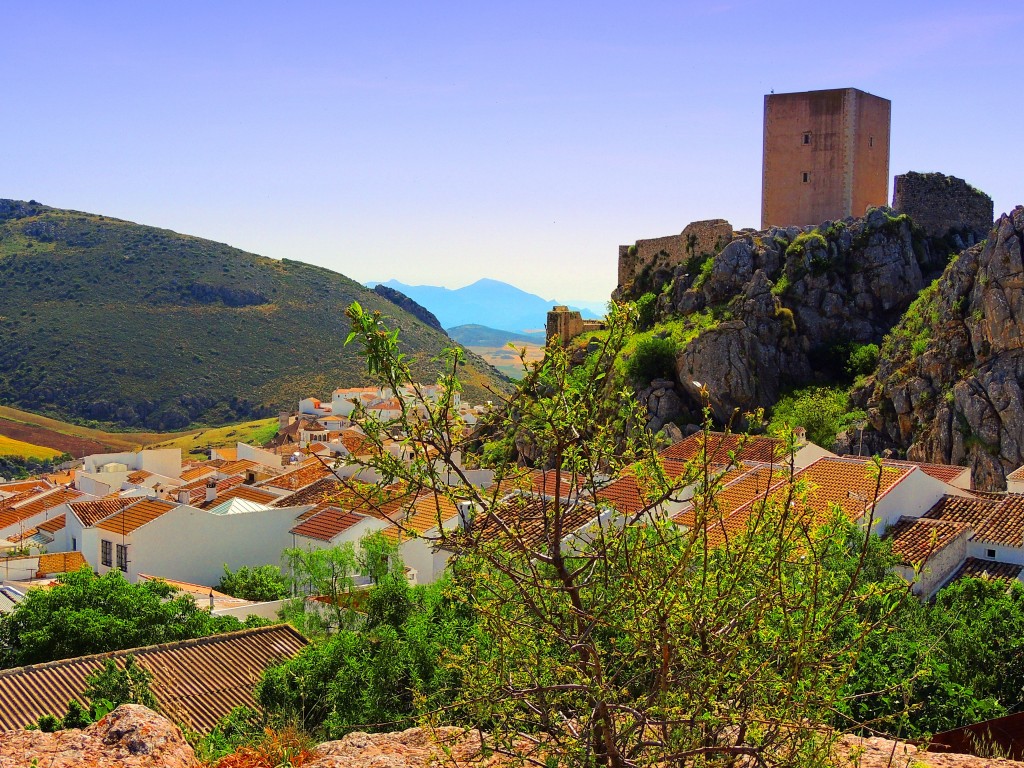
column 654, row 358
column 823, row 411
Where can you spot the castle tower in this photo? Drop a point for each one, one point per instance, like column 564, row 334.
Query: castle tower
column 826, row 156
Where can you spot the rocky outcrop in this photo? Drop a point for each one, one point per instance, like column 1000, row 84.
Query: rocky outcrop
column 950, row 383
column 414, row 308
column 778, row 304
column 129, row 737
column 944, row 207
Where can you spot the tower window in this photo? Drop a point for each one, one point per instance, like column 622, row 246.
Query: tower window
column 807, row 138
column 871, row 141
column 807, row 177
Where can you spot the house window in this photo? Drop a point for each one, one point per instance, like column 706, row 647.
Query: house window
column 990, row 553
column 807, row 177
column 122, row 557
column 74, row 544
column 107, row 552
column 807, row 138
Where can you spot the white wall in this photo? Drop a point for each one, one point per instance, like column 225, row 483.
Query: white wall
column 911, row 497
column 260, row 456
column 269, row 610
column 189, row 544
column 1004, row 554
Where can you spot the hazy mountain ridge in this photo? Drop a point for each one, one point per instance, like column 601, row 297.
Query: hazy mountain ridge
column 115, row 321
column 487, row 302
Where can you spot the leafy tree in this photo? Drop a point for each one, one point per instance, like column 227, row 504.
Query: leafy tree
column 378, row 557
column 822, row 411
column 632, row 640
column 645, row 308
column 383, row 673
column 329, row 575
column 84, row 613
column 653, row 358
column 122, row 685
column 863, row 360
column 260, row 584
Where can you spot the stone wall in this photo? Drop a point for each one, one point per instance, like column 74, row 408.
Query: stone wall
column 662, row 254
column 568, row 324
column 941, row 204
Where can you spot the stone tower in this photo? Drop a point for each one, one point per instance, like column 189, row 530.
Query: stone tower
column 826, row 156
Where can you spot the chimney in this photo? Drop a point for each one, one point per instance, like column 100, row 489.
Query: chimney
column 211, row 489
column 211, row 601
column 184, row 497
column 466, row 512
column 801, row 435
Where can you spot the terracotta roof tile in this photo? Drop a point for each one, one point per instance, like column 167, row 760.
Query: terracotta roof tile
column 53, row 525
column 1017, row 474
column 414, row 517
column 326, row 524
column 35, row 505
column 133, row 517
column 197, row 473
column 528, row 518
column 976, row 568
column 247, row 492
column 237, row 467
column 735, row 490
column 139, row 476
column 61, row 562
column 299, row 478
column 197, row 682
column 21, row 486
column 723, row 448
column 947, row 473
column 91, row 512
column 914, row 540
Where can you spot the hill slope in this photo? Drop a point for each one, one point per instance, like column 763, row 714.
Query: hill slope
column 109, row 320
column 486, row 302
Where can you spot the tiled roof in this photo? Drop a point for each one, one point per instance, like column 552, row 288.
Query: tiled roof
column 998, row 520
column 235, row 467
column 37, row 504
column 197, row 473
column 947, row 473
column 914, row 540
column 91, row 512
column 299, row 478
column 975, row 568
column 315, row 493
column 734, row 492
column 529, row 519
column 414, row 517
column 138, row 476
column 61, row 562
column 133, row 517
column 1017, row 474
column 327, row 523
column 196, row 682
column 356, row 442
column 247, row 492
column 20, row 536
column 848, row 483
column 197, row 489
column 21, row 486
column 723, row 448
column 53, row 524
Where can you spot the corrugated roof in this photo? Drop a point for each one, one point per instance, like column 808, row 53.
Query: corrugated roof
column 91, row 512
column 914, row 540
column 196, row 682
column 197, row 473
column 135, row 516
column 237, row 506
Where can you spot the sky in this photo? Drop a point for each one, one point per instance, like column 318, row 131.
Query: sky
column 440, row 143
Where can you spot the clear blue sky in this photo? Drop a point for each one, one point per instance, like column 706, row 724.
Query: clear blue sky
column 443, row 142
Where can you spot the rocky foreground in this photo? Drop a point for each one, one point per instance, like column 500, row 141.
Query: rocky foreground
column 134, row 737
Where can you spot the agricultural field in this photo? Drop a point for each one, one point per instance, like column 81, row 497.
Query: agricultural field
column 251, row 432
column 506, row 359
column 12, row 447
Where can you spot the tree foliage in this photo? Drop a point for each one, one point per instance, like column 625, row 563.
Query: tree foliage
column 260, row 584
column 822, row 411
column 84, row 613
column 621, row 638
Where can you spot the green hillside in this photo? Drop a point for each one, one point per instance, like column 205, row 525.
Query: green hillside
column 112, row 321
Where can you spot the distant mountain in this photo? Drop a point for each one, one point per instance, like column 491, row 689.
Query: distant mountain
column 482, row 336
column 490, row 303
column 143, row 327
column 412, row 307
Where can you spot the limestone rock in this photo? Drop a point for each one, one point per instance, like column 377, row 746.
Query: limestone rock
column 129, row 737
column 950, row 385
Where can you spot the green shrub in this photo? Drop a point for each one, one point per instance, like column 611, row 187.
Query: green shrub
column 804, row 242
column 653, row 358
column 645, row 307
column 785, row 315
column 631, row 250
column 863, row 360
column 823, row 411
